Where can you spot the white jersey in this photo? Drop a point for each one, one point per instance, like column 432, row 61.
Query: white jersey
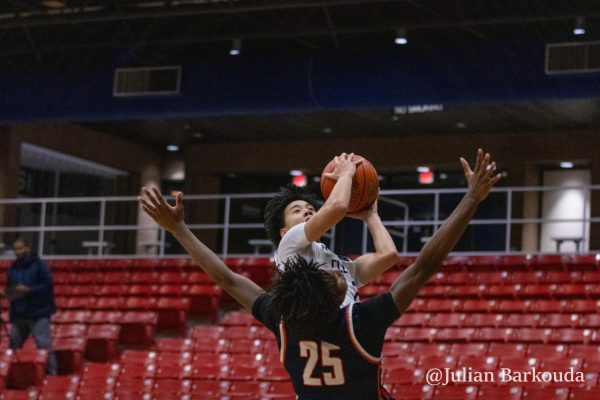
column 294, row 243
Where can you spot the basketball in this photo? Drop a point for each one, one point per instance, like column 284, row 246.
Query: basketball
column 365, row 185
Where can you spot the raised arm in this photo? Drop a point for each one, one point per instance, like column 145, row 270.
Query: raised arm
column 369, row 266
column 172, row 219
column 336, row 206
column 480, row 181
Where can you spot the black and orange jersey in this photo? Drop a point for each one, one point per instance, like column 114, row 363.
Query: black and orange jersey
column 343, row 363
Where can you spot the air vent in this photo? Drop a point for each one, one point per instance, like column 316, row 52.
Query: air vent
column 149, row 81
column 570, row 58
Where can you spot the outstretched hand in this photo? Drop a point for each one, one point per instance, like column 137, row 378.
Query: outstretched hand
column 344, row 163
column 482, row 178
column 154, row 204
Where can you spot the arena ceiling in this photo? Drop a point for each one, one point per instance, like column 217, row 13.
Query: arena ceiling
column 32, row 30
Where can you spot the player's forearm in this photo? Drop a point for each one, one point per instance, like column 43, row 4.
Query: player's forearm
column 340, row 194
column 443, row 241
column 203, row 256
column 383, row 242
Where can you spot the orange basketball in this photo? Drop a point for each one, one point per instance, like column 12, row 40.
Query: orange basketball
column 365, row 185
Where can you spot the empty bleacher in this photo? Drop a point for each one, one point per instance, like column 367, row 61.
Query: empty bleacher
column 484, row 313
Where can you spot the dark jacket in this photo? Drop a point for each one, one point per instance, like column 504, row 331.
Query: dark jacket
column 34, row 273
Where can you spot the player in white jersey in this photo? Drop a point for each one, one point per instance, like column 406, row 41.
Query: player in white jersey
column 295, row 226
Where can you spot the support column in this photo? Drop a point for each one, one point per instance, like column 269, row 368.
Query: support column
column 147, row 241
column 10, row 173
column 531, row 209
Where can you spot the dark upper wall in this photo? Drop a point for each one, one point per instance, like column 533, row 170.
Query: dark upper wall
column 433, row 68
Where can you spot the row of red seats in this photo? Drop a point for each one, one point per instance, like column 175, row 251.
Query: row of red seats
column 489, row 391
column 498, row 320
column 491, row 262
column 506, row 306
column 502, row 278
column 511, row 350
column 493, row 363
column 521, row 335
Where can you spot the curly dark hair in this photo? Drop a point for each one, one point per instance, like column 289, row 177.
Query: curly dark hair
column 304, row 297
column 275, row 209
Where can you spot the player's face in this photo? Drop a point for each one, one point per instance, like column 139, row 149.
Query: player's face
column 340, row 284
column 295, row 213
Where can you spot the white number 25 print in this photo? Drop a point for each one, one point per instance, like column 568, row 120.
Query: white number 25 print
column 320, row 352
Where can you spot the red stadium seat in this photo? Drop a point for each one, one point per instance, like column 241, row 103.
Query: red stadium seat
column 399, row 376
column 555, row 393
column 483, row 263
column 430, row 349
column 479, row 363
column 70, row 331
column 413, row 319
column 428, row 362
column 525, row 277
column 548, row 306
column 562, row 364
column 419, row 334
column 468, row 349
column 547, row 351
column 584, row 351
column 508, row 350
column 584, row 306
column 174, row 345
column 455, row 334
column 171, row 387
column 502, row 291
column 516, row 262
column 65, row 385
column 576, row 336
column 560, row 321
column 172, row 313
column 391, row 349
column 533, row 335
column 447, row 320
column 71, row 317
column 493, row 278
column 511, row 306
column 434, row 305
column 485, row 320
column 521, row 320
column 412, row 392
column 504, row 392
column 238, row 318
column 280, row 391
column 473, row 306
column 272, row 372
column 27, row 368
column 585, row 394
column 204, row 300
column 105, row 317
column 69, row 354
column 138, row 328
column 458, row 392
column 493, row 334
column 102, row 343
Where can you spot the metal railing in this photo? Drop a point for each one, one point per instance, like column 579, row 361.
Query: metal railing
column 406, row 213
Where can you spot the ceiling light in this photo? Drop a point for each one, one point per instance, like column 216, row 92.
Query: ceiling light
column 579, row 28
column 401, row 36
column 423, row 169
column 172, row 147
column 296, row 172
column 461, row 125
column 566, row 164
column 236, row 47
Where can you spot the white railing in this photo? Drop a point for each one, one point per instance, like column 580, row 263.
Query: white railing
column 405, row 212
